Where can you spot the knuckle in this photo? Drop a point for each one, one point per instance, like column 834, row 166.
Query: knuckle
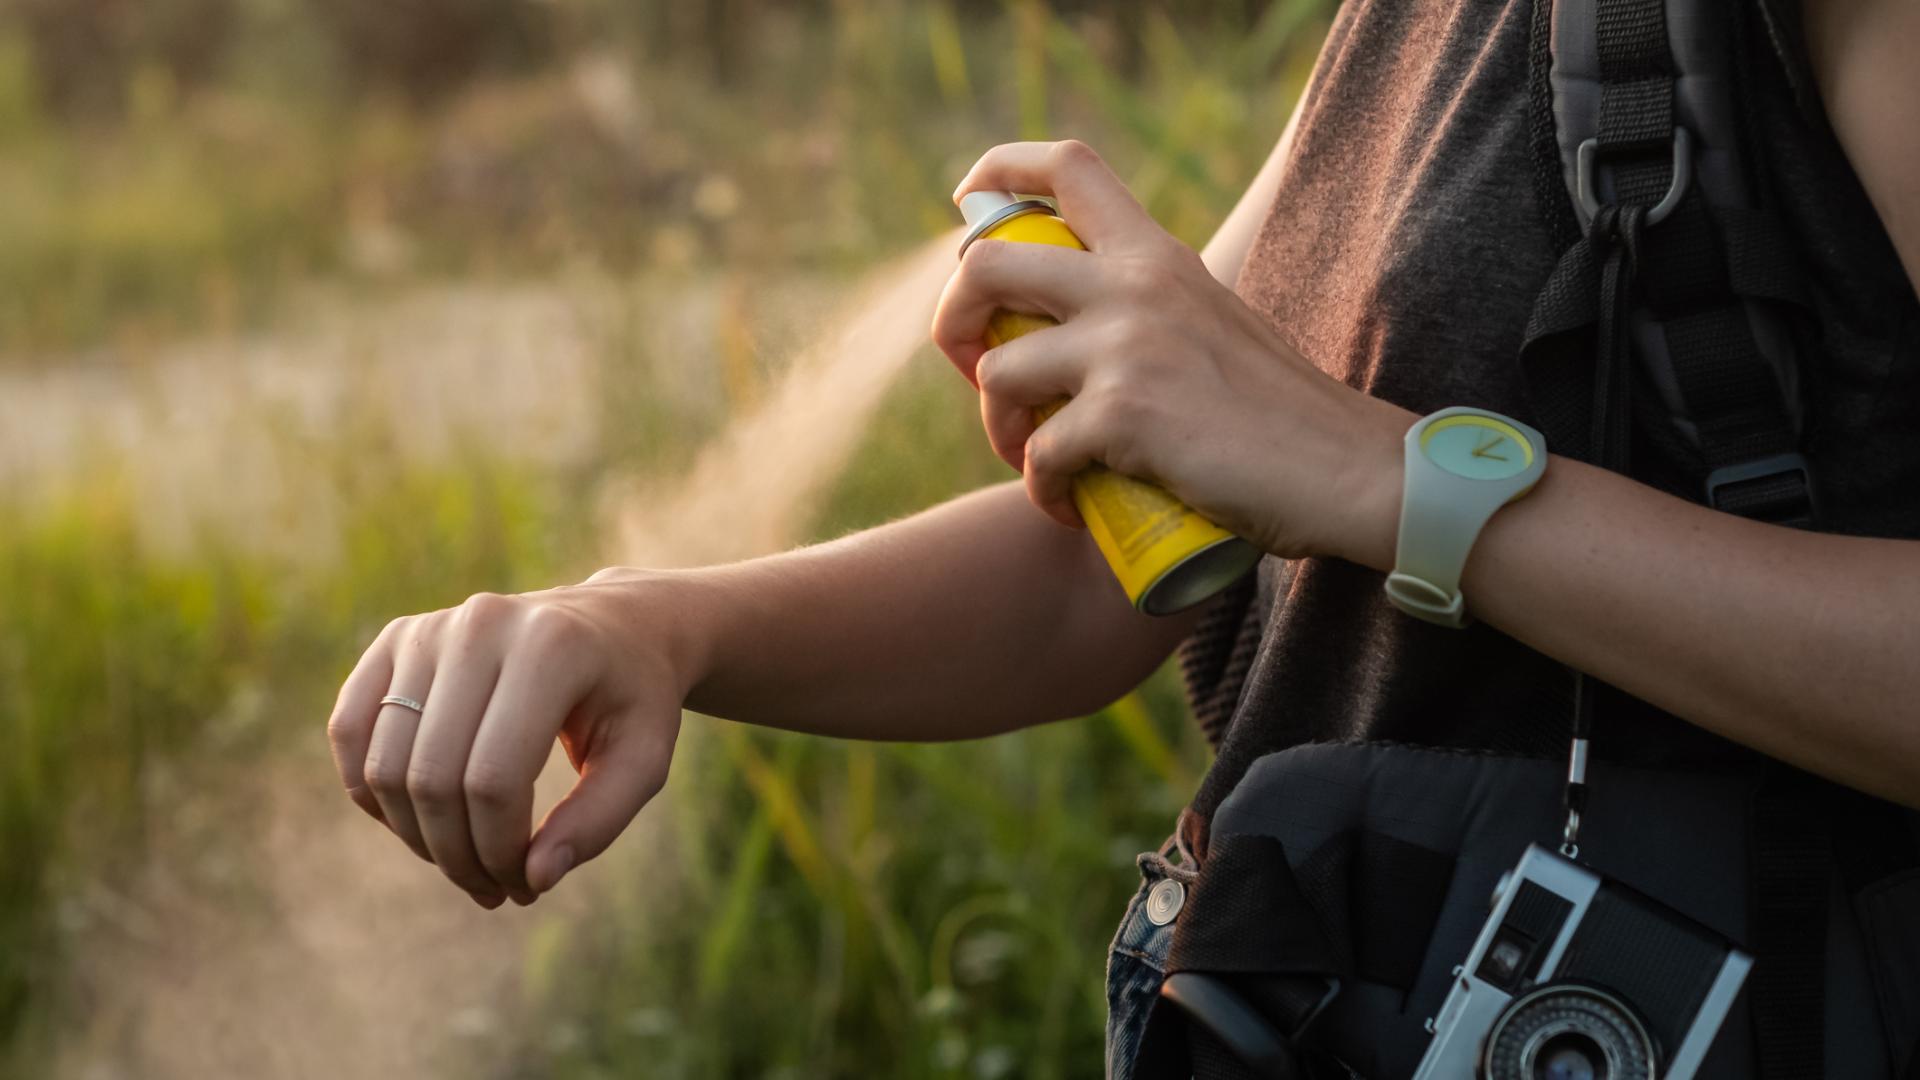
column 1043, row 454
column 554, row 629
column 612, row 573
column 1123, row 455
column 429, row 785
column 344, row 730
column 1125, row 334
column 981, row 258
column 386, row 777
column 988, row 374
column 1145, row 277
column 489, row 784
column 484, row 609
column 1072, row 153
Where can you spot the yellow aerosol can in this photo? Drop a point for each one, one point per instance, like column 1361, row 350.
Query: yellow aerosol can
column 1167, row 557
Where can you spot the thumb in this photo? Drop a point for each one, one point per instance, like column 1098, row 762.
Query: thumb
column 615, row 782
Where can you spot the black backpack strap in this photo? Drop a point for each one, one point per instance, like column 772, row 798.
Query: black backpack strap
column 1709, row 323
column 1792, row 860
column 1680, row 283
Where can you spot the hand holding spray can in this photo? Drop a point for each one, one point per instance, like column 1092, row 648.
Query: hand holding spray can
column 1167, row 557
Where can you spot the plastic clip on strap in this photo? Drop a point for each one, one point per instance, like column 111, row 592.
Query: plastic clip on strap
column 1776, row 489
column 1589, row 200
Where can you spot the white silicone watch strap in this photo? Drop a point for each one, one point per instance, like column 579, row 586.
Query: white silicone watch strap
column 1441, row 515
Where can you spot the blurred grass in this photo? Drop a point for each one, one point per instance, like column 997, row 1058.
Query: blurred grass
column 119, row 667
column 823, row 909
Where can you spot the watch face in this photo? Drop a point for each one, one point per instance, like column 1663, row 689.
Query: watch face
column 1476, row 447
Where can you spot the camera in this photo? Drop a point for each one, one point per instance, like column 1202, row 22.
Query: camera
column 1575, row 977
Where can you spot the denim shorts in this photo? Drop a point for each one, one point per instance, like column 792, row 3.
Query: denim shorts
column 1137, row 962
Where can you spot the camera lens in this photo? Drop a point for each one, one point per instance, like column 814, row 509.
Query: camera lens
column 1570, row 1056
column 1567, row 1032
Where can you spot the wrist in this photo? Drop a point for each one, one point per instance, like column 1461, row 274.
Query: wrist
column 1376, row 487
column 661, row 617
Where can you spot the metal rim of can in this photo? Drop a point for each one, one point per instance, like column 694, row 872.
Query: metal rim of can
column 1005, row 213
column 1218, row 565
column 1165, row 900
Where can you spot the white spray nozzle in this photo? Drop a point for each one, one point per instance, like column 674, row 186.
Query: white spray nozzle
column 978, row 206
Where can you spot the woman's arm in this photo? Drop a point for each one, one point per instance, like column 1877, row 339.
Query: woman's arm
column 1863, row 59
column 1226, row 253
column 971, row 618
column 1802, row 645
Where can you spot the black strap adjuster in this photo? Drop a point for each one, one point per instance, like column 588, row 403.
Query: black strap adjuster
column 1742, row 488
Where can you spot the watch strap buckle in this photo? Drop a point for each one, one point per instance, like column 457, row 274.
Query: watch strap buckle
column 1424, row 600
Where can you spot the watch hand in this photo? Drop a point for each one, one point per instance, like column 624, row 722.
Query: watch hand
column 1481, row 450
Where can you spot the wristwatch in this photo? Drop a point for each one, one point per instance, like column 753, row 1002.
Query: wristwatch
column 1463, row 464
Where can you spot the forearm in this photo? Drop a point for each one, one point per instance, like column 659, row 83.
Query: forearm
column 972, row 618
column 1798, row 644
column 975, row 617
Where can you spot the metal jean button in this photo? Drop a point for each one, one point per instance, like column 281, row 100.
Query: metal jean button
column 1165, row 900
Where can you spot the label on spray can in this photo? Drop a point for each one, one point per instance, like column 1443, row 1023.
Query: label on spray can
column 1166, row 557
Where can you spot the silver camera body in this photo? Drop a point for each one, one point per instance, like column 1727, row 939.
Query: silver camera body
column 1578, row 977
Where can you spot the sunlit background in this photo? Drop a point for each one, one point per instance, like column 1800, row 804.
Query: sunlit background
column 318, row 312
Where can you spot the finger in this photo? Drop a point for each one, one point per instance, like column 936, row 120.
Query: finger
column 1037, row 370
column 616, row 780
column 1008, row 425
column 540, row 685
column 1102, row 212
column 1060, row 449
column 391, row 747
column 350, row 728
column 436, row 776
column 997, row 275
column 1040, row 367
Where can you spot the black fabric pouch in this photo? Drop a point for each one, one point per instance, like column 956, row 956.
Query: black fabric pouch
column 1397, row 849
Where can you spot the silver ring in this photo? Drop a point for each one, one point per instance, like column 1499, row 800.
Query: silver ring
column 404, row 702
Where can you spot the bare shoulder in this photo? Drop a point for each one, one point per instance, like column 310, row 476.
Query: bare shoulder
column 1863, row 54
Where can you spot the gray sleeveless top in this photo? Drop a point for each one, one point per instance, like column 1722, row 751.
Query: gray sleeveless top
column 1402, row 254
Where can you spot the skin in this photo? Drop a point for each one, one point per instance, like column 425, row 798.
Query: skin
column 1795, row 643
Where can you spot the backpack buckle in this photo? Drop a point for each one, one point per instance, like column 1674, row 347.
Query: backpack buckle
column 1682, row 175
column 1801, row 502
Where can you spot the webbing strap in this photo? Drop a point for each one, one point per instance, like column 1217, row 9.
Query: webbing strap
column 1792, row 859
column 1703, row 264
column 1636, row 93
column 1698, row 268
